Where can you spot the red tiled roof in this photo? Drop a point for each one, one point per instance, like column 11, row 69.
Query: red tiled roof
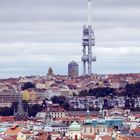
column 128, row 138
column 89, row 136
column 6, row 118
column 9, row 138
column 137, row 130
column 106, row 137
column 137, row 115
column 13, row 130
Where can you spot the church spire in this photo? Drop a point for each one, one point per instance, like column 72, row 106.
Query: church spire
column 87, row 112
column 20, row 114
column 20, row 109
column 100, row 115
column 88, row 119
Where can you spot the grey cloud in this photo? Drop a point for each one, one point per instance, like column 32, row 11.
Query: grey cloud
column 34, row 10
column 67, row 3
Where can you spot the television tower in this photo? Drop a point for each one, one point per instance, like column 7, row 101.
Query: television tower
column 88, row 40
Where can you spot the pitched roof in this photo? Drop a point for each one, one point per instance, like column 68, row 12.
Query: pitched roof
column 75, row 126
column 89, row 136
column 13, row 130
column 137, row 130
column 9, row 138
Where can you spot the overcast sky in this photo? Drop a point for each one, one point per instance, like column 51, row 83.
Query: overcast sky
column 37, row 34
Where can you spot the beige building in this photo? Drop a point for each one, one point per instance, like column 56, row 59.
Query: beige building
column 58, row 114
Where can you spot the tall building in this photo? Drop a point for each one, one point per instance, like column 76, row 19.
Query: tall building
column 73, row 69
column 88, row 41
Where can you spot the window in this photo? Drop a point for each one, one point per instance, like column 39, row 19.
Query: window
column 98, row 131
column 90, row 130
column 84, row 130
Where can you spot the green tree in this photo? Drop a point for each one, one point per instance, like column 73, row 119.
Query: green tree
column 28, row 85
column 33, row 110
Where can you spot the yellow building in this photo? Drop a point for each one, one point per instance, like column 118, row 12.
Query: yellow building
column 32, row 95
column 28, row 95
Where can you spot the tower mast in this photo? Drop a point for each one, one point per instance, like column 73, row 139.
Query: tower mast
column 89, row 12
column 88, row 42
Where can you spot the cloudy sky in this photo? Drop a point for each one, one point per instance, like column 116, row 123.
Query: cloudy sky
column 37, row 34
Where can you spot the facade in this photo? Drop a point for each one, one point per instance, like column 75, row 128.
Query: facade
column 73, row 69
column 6, row 97
column 88, row 128
column 60, row 128
column 50, row 93
column 74, row 131
column 57, row 114
column 137, row 102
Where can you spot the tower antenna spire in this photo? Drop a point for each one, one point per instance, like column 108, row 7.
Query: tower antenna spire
column 89, row 12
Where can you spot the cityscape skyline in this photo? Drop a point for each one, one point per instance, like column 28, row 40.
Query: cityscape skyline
column 35, row 35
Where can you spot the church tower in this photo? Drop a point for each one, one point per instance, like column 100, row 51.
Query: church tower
column 20, row 114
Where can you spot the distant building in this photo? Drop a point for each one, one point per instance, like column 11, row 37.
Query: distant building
column 73, row 69
column 28, row 95
column 50, row 74
column 9, row 97
column 50, row 71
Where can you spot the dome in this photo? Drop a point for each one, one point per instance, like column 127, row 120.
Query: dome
column 21, row 136
column 101, row 121
column 113, row 136
column 75, row 126
column 88, row 112
column 88, row 121
column 100, row 111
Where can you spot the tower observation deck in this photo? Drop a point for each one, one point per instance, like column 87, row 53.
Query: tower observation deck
column 88, row 40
